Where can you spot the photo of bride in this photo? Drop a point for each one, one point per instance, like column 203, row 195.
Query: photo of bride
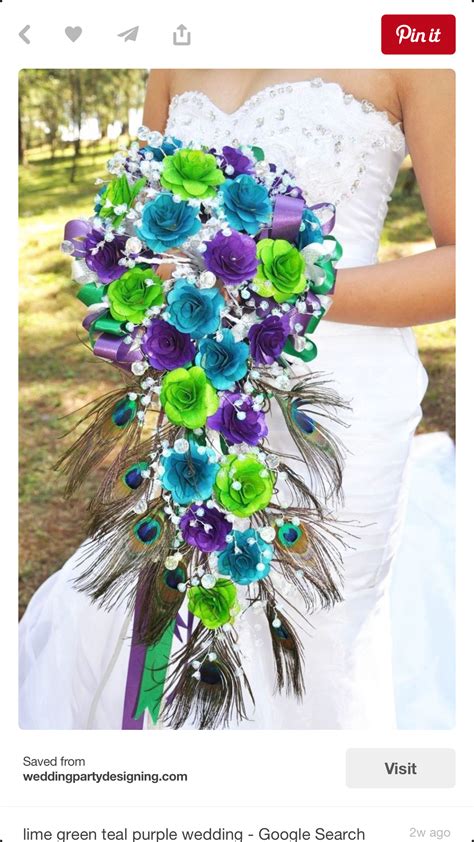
column 251, row 527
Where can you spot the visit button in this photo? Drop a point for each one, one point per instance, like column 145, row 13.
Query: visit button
column 400, row 768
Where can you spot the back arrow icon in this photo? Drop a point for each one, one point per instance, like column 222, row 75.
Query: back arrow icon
column 22, row 34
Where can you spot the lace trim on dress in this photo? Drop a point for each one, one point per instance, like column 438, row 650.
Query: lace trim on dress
column 323, row 135
column 365, row 105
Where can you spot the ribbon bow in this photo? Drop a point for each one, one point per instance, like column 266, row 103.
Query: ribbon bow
column 109, row 338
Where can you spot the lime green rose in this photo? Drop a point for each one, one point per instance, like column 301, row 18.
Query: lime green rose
column 243, row 485
column 214, row 606
column 118, row 197
column 191, row 174
column 187, row 397
column 133, row 294
column 281, row 271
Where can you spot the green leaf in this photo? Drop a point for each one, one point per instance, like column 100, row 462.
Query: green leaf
column 258, row 153
column 308, row 355
column 154, row 675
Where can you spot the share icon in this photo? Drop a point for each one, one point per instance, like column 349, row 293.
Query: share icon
column 129, row 34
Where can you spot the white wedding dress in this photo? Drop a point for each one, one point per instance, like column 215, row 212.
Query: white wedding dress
column 74, row 656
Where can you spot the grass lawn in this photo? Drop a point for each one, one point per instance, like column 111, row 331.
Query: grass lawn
column 58, row 374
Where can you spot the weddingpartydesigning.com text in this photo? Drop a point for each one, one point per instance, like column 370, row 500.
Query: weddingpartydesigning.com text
column 104, row 777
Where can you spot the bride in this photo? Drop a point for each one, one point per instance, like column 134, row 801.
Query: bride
column 344, row 135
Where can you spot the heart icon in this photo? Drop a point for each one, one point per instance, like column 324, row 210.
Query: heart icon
column 73, row 32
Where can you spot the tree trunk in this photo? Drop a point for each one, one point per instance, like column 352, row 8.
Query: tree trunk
column 409, row 183
column 76, row 91
column 21, row 138
column 21, row 148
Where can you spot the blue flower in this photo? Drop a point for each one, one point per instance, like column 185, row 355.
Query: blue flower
column 190, row 476
column 247, row 559
column 224, row 361
column 100, row 193
column 246, row 204
column 311, row 232
column 192, row 310
column 168, row 147
column 166, row 224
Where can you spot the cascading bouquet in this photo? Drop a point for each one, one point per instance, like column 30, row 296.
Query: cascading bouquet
column 204, row 273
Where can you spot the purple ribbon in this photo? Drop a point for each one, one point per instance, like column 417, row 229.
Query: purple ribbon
column 75, row 232
column 287, row 217
column 313, row 301
column 326, row 227
column 116, row 351
column 110, row 347
column 181, row 624
column 136, row 665
column 92, row 317
column 294, row 319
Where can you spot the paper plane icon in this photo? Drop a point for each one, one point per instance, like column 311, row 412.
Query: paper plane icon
column 129, row 34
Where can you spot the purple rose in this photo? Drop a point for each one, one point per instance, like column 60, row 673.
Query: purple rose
column 234, row 258
column 239, row 419
column 166, row 347
column 267, row 339
column 233, row 158
column 103, row 257
column 205, row 528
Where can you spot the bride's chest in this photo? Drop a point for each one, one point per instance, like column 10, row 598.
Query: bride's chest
column 324, row 136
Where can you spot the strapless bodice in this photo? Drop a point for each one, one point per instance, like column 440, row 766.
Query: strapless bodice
column 341, row 150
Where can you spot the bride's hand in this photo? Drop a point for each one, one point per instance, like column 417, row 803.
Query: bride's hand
column 165, row 270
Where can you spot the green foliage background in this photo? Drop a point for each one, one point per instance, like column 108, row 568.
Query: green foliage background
column 57, row 373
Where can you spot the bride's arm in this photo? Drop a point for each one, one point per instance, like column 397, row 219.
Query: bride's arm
column 418, row 289
column 157, row 100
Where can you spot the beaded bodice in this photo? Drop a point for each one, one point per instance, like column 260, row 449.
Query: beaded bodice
column 341, row 150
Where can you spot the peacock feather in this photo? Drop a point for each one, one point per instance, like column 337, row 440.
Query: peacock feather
column 208, row 687
column 161, row 600
column 307, row 408
column 134, row 547
column 110, row 421
column 287, row 652
column 127, row 484
column 307, row 553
